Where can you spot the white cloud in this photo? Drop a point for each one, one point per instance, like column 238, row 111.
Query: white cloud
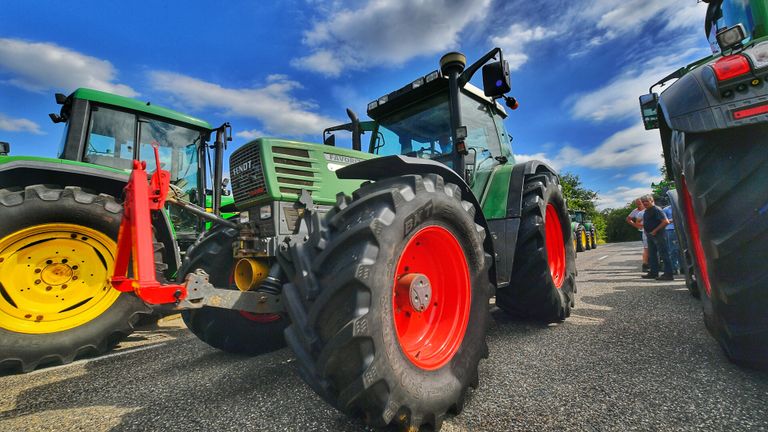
column 616, row 18
column 273, row 105
column 646, row 178
column 518, row 37
column 250, row 134
column 628, row 147
column 386, row 33
column 619, row 99
column 620, row 196
column 41, row 66
column 19, row 125
column 520, row 158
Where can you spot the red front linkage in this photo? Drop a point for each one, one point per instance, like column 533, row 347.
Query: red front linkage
column 135, row 237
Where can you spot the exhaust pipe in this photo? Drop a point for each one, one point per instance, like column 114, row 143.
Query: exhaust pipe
column 249, row 273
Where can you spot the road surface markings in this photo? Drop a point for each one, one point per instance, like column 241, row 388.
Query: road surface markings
column 602, row 258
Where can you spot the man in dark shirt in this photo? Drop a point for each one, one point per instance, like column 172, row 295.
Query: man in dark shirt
column 654, row 222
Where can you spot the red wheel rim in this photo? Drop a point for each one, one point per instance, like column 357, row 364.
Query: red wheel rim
column 693, row 229
column 555, row 245
column 431, row 337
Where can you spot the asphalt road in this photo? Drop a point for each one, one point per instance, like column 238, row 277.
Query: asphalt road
column 634, row 356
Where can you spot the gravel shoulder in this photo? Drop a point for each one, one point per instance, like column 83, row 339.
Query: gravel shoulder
column 634, row 356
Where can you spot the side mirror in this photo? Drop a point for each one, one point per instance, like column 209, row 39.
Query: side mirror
column 496, row 80
column 5, row 148
column 330, row 140
column 224, row 184
column 649, row 109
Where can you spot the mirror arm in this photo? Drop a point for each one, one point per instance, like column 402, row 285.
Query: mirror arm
column 471, row 69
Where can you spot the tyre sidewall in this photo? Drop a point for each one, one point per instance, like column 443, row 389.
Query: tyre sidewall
column 440, row 388
column 102, row 214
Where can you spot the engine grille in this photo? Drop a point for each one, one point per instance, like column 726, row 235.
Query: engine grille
column 247, row 173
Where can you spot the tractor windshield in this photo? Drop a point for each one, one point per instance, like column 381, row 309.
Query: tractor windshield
column 424, row 130
column 729, row 14
column 421, row 130
column 110, row 142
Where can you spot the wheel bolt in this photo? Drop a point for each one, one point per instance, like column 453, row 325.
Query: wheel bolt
column 48, row 288
column 64, row 261
column 49, row 262
column 74, row 277
column 37, row 282
column 27, row 316
column 64, row 286
column 74, row 267
column 37, row 270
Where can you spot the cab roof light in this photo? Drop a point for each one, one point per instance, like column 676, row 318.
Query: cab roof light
column 382, row 100
column 731, row 67
column 373, row 105
column 432, row 76
column 417, row 83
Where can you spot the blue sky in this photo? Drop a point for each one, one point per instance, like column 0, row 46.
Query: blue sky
column 289, row 68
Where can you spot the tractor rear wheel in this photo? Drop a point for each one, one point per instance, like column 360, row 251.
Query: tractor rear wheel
column 389, row 314
column 228, row 330
column 585, row 237
column 543, row 279
column 57, row 250
column 727, row 227
column 593, row 238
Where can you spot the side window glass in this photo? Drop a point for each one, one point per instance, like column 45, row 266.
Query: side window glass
column 110, row 138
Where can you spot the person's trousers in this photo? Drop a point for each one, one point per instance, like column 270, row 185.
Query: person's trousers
column 657, row 247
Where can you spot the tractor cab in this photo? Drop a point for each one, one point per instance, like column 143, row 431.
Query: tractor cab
column 425, row 119
column 104, row 129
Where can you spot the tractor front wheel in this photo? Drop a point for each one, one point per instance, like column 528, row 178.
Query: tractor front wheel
column 57, row 251
column 228, row 330
column 543, row 281
column 389, row 314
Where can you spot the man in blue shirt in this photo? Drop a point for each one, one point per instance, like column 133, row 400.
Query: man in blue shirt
column 654, row 224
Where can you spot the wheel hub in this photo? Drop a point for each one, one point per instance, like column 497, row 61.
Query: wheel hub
column 419, row 289
column 57, row 274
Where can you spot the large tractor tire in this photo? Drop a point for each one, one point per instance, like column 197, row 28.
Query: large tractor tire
column 725, row 200
column 543, row 280
column 593, row 238
column 228, row 330
column 580, row 239
column 389, row 313
column 586, row 239
column 686, row 253
column 57, row 250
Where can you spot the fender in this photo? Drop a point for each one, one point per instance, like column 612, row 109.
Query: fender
column 516, row 182
column 695, row 103
column 390, row 166
column 27, row 172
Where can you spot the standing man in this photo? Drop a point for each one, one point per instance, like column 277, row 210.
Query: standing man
column 635, row 219
column 654, row 224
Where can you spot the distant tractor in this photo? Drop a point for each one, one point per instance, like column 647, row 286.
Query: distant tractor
column 384, row 294
column 713, row 123
column 584, row 232
column 59, row 220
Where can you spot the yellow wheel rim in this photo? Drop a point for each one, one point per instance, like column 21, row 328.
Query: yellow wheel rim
column 54, row 277
column 584, row 238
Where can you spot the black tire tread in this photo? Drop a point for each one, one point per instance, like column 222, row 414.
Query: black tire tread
column 100, row 334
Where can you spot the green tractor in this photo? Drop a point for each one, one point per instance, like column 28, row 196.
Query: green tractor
column 377, row 264
column 584, row 233
column 60, row 219
column 713, row 122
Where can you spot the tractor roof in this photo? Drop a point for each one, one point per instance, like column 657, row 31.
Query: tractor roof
column 420, row 89
column 137, row 105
